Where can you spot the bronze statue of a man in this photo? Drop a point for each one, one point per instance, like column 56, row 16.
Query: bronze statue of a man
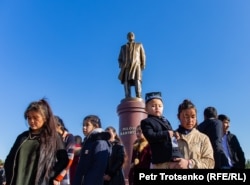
column 132, row 61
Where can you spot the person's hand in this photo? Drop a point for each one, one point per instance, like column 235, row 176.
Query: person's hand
column 106, row 177
column 171, row 133
column 55, row 182
column 178, row 163
column 177, row 135
column 174, row 134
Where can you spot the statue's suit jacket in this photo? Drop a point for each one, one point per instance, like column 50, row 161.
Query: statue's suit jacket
column 132, row 61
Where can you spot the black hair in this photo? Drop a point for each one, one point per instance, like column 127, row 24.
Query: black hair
column 60, row 122
column 114, row 130
column 223, row 117
column 78, row 139
column 94, row 119
column 210, row 112
column 186, row 104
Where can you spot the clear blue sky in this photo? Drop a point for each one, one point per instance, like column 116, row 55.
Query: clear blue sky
column 67, row 52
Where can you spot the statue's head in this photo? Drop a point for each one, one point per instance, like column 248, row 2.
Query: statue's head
column 131, row 36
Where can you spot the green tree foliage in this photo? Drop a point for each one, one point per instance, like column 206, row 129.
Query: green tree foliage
column 248, row 164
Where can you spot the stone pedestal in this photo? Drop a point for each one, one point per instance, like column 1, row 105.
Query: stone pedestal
column 130, row 111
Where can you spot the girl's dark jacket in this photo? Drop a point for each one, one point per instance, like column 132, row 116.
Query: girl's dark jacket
column 115, row 166
column 94, row 157
column 61, row 160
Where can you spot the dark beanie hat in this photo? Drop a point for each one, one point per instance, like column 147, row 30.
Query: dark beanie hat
column 152, row 95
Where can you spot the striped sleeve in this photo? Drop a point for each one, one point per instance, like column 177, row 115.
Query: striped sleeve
column 70, row 147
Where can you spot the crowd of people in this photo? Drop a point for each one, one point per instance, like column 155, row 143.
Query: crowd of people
column 48, row 154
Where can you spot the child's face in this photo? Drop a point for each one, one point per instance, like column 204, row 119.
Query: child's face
column 139, row 133
column 188, row 118
column 112, row 133
column 87, row 127
column 226, row 125
column 35, row 120
column 154, row 107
